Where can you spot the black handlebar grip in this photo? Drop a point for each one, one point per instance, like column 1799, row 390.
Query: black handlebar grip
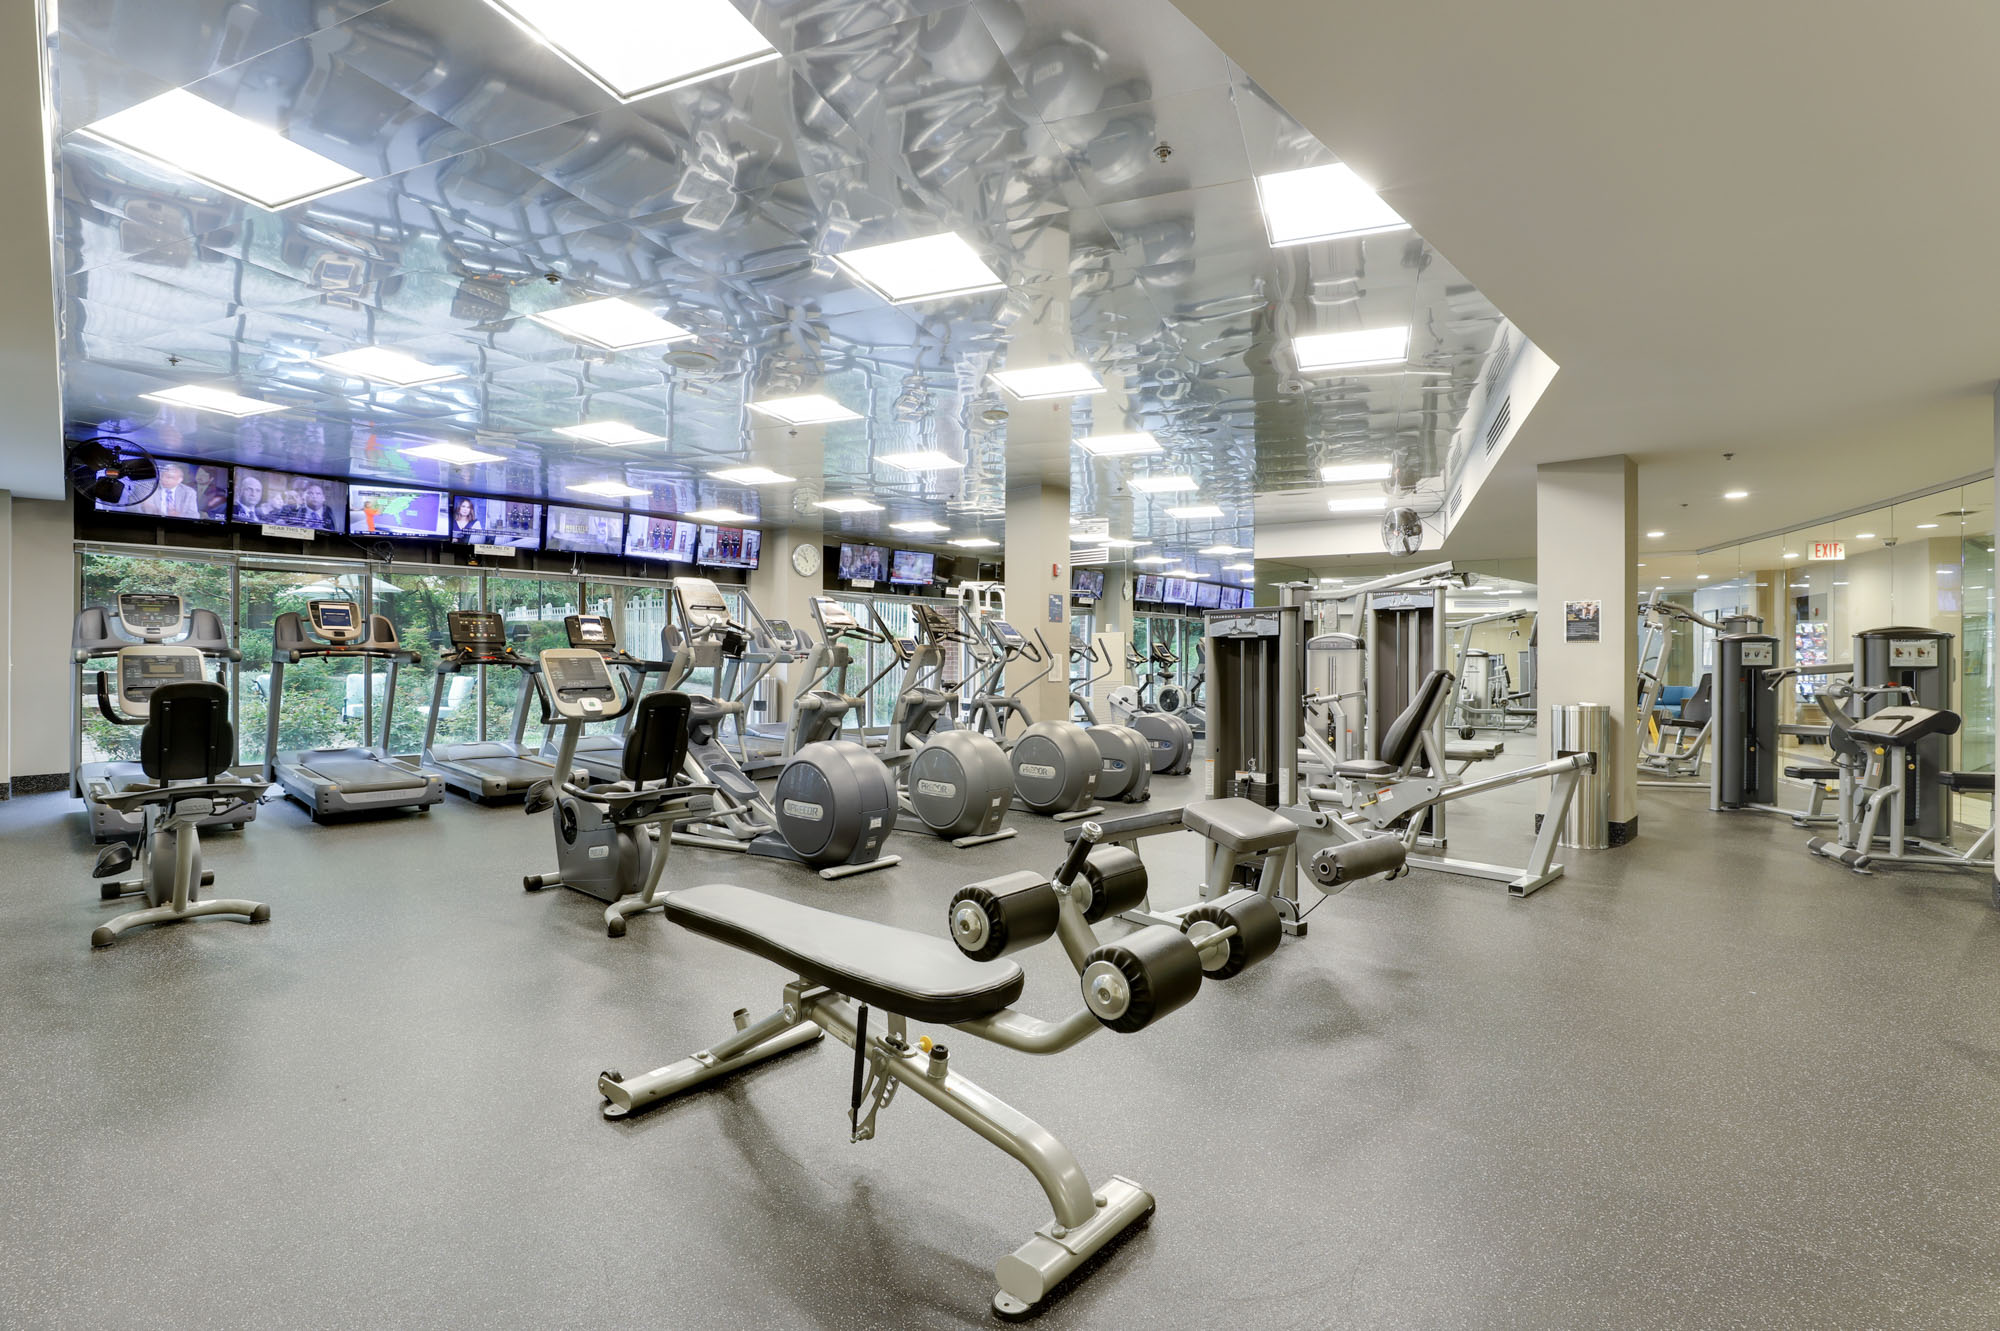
column 1087, row 837
column 1005, row 914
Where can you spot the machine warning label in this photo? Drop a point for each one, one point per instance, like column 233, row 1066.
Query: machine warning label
column 943, row 790
column 812, row 813
column 600, row 852
column 1040, row 771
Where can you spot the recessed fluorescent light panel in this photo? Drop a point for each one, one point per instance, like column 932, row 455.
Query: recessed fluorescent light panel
column 1152, row 559
column 1119, row 541
column 1159, row 485
column 612, row 434
column 607, row 489
column 806, row 409
column 389, row 367
column 1071, row 380
column 928, row 268
column 926, row 459
column 1224, row 550
column 752, row 476
column 721, row 515
column 1240, row 568
column 1341, row 473
column 1364, row 504
column 456, row 454
column 974, row 542
column 197, row 138
column 1735, row 494
column 924, row 528
column 1346, row 351
column 847, row 505
column 218, row 400
column 1654, row 535
column 1193, row 511
column 1322, row 203
column 1119, row 445
column 613, row 324
column 636, row 48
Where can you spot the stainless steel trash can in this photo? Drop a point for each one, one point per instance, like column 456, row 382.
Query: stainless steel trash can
column 1585, row 728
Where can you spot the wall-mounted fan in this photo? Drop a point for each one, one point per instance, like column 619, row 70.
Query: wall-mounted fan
column 112, row 471
column 1402, row 531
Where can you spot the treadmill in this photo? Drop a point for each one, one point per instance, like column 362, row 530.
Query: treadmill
column 489, row 771
column 135, row 619
column 603, row 754
column 357, row 778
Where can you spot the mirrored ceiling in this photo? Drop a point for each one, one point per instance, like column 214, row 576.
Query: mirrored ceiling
column 1101, row 161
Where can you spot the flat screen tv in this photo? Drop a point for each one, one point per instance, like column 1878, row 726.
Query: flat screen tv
column 727, row 547
column 283, row 499
column 374, row 510
column 514, row 522
column 660, row 538
column 189, row 491
column 1174, row 591
column 1232, row 598
column 864, row 562
column 1087, row 583
column 584, row 531
column 912, row 568
column 1207, row 596
column 1147, row 588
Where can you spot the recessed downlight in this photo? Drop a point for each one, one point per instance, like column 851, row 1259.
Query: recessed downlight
column 458, row 455
column 805, row 409
column 611, row 434
column 613, row 324
column 607, row 489
column 1318, row 352
column 389, row 367
column 637, row 48
column 752, row 476
column 1119, row 445
column 194, row 137
column 848, row 505
column 928, row 268
column 1073, row 379
column 219, row 401
column 1322, row 203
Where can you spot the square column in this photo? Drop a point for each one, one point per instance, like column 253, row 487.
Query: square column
column 1038, row 590
column 1586, row 548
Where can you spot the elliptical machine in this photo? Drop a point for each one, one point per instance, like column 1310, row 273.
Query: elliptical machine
column 835, row 803
column 1127, row 773
column 958, row 783
column 1056, row 764
column 606, row 844
column 188, row 739
column 1170, row 739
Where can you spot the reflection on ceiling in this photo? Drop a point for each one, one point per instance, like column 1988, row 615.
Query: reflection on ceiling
column 822, row 261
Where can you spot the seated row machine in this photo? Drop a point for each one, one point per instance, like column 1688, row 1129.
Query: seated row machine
column 845, row 967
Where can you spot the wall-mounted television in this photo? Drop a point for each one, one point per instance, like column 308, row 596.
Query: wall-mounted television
column 1207, row 596
column 513, row 522
column 1174, row 591
column 660, row 538
column 286, row 500
column 585, row 531
column 727, row 547
column 1232, row 598
column 1147, row 588
column 864, row 562
column 912, row 568
column 189, row 491
column 1087, row 583
column 374, row 510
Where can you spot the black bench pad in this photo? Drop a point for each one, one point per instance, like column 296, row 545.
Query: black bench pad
column 897, row 970
column 1812, row 771
column 1968, row 781
column 1365, row 768
column 1241, row 825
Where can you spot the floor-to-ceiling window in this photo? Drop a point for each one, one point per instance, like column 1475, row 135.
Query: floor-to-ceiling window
column 202, row 584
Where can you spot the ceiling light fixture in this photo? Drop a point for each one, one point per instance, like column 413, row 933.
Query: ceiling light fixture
column 752, row 476
column 218, row 400
column 1072, row 379
column 1926, row 526
column 607, row 489
column 1341, row 473
column 1240, row 568
column 927, row 268
column 1194, row 511
column 457, row 455
column 611, row 434
column 924, row 459
column 1735, row 494
column 1701, row 577
column 388, row 367
column 805, row 409
column 1864, row 536
column 194, row 137
column 1342, row 351
column 1362, row 504
column 974, row 542
column 1225, row 550
column 1152, row 559
column 721, row 515
column 1322, row 203
column 637, row 48
column 613, row 324
column 1157, row 485
column 1654, row 535
column 924, row 528
column 848, row 505
column 1119, row 445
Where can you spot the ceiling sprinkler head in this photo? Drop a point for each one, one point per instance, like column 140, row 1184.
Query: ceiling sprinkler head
column 994, row 416
column 691, row 358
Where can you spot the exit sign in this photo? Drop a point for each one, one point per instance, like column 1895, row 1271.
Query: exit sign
column 1826, row 550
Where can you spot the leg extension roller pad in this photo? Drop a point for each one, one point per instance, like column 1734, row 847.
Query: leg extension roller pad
column 1027, row 1274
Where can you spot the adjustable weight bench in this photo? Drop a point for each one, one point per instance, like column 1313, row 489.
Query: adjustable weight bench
column 845, row 967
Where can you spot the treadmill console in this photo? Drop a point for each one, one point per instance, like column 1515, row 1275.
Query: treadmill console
column 481, row 632
column 580, row 683
column 1006, row 634
column 144, row 668
column 591, row 631
column 150, row 616
column 338, row 622
column 784, row 638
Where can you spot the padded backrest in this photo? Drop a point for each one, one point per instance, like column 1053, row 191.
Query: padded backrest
column 656, row 742
column 188, row 736
column 1407, row 730
column 1700, row 704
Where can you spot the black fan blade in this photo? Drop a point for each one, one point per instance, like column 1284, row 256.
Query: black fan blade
column 105, row 490
column 136, row 466
column 89, row 457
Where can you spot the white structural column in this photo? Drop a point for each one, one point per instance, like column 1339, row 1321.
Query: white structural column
column 7, row 644
column 1586, row 545
column 1038, row 590
column 782, row 592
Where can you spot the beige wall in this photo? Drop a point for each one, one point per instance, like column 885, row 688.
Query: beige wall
column 41, row 578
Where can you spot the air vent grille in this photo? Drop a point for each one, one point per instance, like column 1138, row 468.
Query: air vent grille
column 1500, row 421
column 1451, row 504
